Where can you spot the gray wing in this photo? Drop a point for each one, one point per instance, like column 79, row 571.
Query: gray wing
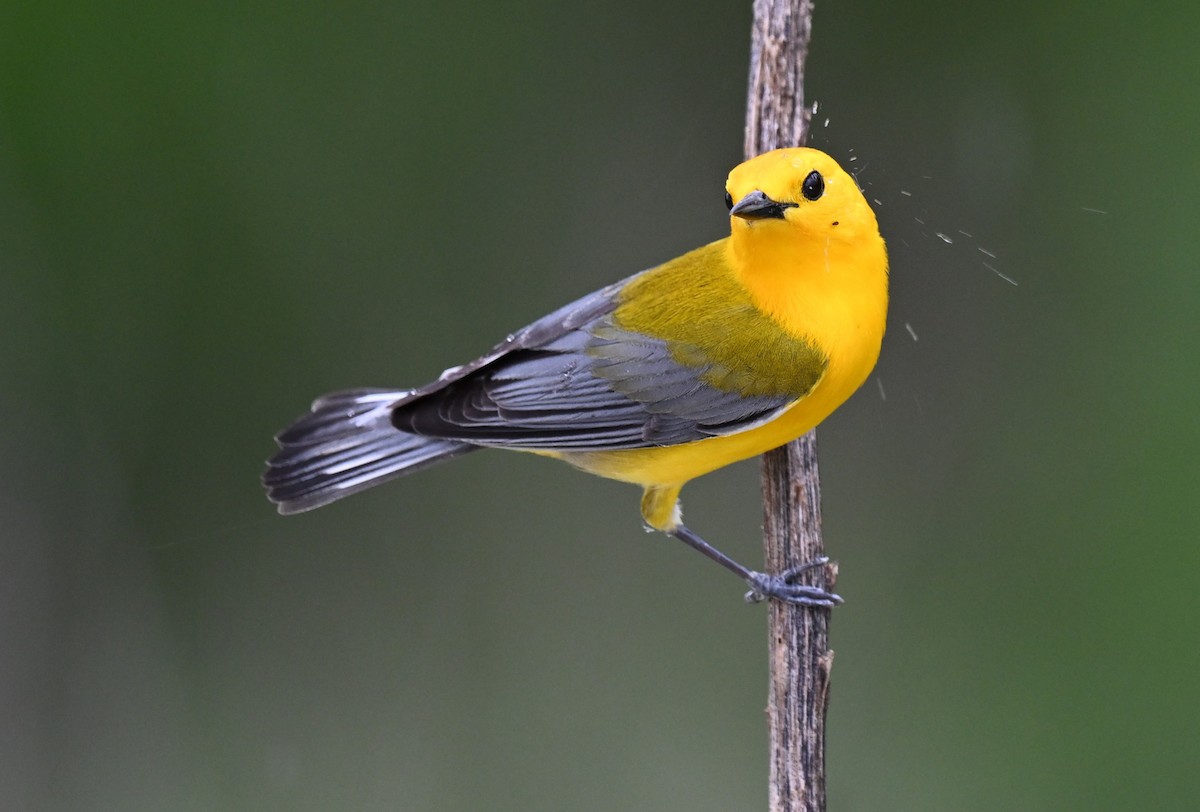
column 574, row 380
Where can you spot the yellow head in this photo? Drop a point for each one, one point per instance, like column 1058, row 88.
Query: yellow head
column 806, row 245
column 799, row 189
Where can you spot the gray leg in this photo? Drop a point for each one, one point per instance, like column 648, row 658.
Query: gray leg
column 781, row 587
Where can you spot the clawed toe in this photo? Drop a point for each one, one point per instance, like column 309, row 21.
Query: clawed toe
column 782, row 587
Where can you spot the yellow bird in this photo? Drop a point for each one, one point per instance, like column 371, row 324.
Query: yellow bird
column 723, row 353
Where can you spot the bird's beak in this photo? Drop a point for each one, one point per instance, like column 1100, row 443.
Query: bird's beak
column 757, row 206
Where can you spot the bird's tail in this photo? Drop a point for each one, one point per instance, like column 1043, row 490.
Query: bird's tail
column 345, row 445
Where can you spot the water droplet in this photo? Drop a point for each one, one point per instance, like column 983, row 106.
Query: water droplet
column 1007, row 279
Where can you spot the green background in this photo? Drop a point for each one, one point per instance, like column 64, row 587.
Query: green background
column 212, row 212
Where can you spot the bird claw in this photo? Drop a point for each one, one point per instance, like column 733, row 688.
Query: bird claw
column 782, row 587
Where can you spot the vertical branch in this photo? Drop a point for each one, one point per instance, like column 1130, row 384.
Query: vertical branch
column 800, row 659
column 776, row 115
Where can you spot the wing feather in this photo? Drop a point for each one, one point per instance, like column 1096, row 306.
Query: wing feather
column 575, row 380
column 694, row 359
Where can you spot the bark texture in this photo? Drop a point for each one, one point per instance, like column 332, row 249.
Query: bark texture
column 800, row 658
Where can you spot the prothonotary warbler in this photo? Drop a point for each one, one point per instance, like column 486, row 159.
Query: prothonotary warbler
column 728, row 351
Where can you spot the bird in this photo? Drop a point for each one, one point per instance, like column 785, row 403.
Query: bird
column 723, row 353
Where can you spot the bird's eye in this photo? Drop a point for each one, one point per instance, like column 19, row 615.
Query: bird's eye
column 728, row 200
column 814, row 186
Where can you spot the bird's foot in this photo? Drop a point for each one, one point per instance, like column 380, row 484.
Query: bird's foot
column 783, row 587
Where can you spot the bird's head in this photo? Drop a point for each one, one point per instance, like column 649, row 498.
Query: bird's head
column 796, row 193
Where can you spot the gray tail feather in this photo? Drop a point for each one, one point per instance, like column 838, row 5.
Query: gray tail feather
column 347, row 444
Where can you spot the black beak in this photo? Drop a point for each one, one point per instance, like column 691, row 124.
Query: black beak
column 757, row 206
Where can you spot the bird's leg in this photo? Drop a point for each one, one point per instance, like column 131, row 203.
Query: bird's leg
column 781, row 587
column 660, row 509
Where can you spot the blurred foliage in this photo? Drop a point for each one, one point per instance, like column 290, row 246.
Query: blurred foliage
column 210, row 213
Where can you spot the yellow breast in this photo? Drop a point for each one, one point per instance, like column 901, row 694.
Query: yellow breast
column 835, row 300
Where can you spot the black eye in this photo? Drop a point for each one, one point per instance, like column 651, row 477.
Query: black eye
column 814, row 186
column 728, row 200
